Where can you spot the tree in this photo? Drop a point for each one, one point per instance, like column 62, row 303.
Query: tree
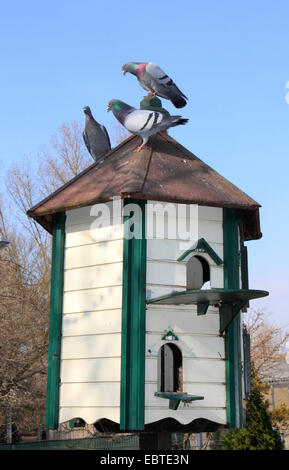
column 259, row 433
column 267, row 343
column 25, row 274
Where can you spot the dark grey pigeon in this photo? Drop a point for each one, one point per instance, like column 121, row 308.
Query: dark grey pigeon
column 95, row 136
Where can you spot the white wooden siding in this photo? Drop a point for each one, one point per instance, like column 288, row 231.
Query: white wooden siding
column 91, row 326
column 202, row 348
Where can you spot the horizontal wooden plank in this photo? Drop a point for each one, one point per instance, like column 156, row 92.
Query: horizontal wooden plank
column 173, row 274
column 182, row 321
column 87, row 323
column 93, row 277
column 211, row 231
column 90, row 394
column 85, row 234
column 90, row 370
column 89, row 214
column 198, row 346
column 211, row 213
column 104, row 298
column 89, row 414
column 92, row 255
column 171, row 250
column 172, row 228
column 194, row 370
column 173, row 210
column 94, row 346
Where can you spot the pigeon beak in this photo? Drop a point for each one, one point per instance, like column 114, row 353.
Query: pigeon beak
column 124, row 72
column 108, row 109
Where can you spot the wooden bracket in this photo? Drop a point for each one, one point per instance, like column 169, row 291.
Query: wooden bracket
column 202, row 308
column 228, row 312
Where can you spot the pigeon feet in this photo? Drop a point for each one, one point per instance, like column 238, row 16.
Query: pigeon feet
column 152, row 94
column 138, row 149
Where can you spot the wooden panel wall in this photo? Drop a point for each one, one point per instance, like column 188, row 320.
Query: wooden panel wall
column 202, row 347
column 91, row 328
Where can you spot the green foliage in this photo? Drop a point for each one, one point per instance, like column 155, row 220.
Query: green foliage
column 259, row 433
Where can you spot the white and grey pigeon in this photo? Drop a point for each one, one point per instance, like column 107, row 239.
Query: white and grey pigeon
column 95, row 136
column 153, row 79
column 142, row 122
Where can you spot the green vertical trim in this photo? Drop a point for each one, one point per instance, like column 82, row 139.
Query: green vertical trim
column 132, row 399
column 233, row 333
column 55, row 321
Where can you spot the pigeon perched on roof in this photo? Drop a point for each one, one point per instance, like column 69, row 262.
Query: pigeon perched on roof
column 95, row 136
column 142, row 122
column 153, row 79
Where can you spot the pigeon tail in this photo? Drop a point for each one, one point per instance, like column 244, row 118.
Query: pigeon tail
column 179, row 102
column 179, row 122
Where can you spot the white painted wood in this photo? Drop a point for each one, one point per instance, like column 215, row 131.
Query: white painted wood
column 195, row 370
column 214, row 395
column 217, row 276
column 204, row 370
column 172, row 274
column 154, row 290
column 95, row 212
column 166, row 250
column 197, row 346
column 91, row 370
column 182, row 321
column 185, row 415
column 90, row 394
column 87, row 323
column 83, row 234
column 92, row 255
column 93, row 277
column 105, row 298
column 211, row 213
column 159, row 208
column 89, row 414
column 94, row 346
column 211, row 231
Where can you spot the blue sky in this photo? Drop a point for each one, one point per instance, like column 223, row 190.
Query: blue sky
column 229, row 58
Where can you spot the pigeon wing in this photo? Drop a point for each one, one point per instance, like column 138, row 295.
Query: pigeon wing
column 105, row 133
column 96, row 140
column 163, row 85
column 142, row 120
column 86, row 142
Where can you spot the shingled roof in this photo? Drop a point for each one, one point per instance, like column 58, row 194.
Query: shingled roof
column 163, row 171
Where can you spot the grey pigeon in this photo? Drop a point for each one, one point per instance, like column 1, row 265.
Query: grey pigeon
column 142, row 122
column 95, row 136
column 153, row 79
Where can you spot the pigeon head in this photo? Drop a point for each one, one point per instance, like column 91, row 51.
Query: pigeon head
column 86, row 110
column 119, row 109
column 115, row 106
column 131, row 67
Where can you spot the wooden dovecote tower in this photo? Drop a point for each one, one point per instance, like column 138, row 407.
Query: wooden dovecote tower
column 149, row 278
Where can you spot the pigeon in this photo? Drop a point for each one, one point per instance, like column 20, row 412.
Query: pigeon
column 153, row 79
column 142, row 122
column 95, row 136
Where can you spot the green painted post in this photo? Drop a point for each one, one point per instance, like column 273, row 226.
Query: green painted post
column 133, row 320
column 233, row 338
column 55, row 321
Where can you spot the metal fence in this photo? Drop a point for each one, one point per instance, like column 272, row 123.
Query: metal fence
column 130, row 442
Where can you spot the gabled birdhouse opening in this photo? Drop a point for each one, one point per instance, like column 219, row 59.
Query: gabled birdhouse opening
column 198, row 272
column 170, row 369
